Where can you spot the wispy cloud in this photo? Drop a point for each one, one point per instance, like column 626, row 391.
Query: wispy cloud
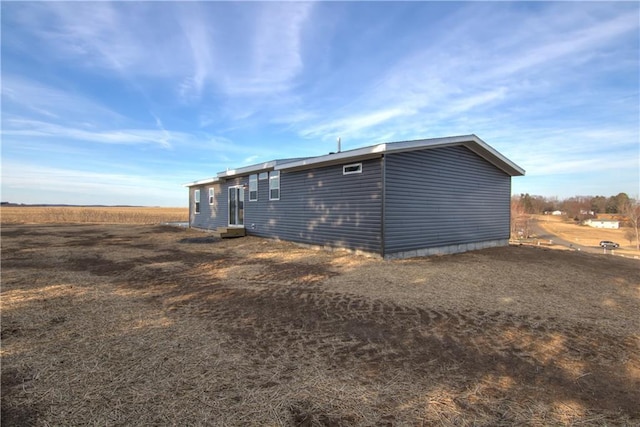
column 353, row 125
column 448, row 78
column 166, row 136
column 552, row 151
column 202, row 86
column 31, row 128
column 202, row 49
column 276, row 48
column 263, row 61
column 92, row 32
column 29, row 96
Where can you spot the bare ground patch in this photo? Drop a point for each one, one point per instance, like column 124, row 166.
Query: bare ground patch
column 155, row 325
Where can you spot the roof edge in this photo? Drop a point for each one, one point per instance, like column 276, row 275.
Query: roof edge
column 201, row 182
column 247, row 169
column 472, row 142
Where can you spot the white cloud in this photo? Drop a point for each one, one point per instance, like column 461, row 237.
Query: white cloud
column 459, row 79
column 258, row 56
column 196, row 31
column 548, row 84
column 549, row 151
column 575, row 45
column 53, row 103
column 250, row 160
column 276, row 51
column 95, row 32
column 32, row 128
column 352, row 126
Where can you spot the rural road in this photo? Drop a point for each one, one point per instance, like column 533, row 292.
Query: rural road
column 543, row 234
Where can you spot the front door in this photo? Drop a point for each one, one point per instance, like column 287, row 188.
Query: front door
column 236, row 206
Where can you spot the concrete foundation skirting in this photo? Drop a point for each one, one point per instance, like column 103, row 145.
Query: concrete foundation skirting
column 449, row 249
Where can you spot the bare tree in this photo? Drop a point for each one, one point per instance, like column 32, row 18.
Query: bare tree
column 630, row 235
column 519, row 218
column 631, row 210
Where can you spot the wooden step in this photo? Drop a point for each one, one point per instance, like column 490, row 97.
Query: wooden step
column 227, row 232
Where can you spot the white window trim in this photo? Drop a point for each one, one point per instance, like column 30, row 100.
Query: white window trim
column 358, row 165
column 196, row 202
column 272, row 177
column 212, row 196
column 253, row 179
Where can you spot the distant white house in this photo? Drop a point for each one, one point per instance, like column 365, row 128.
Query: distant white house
column 602, row 223
column 556, row 213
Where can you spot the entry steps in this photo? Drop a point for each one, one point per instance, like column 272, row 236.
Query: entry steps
column 226, row 232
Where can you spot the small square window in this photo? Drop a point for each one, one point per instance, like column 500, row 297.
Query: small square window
column 352, row 168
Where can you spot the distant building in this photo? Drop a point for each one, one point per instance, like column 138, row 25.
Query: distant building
column 602, row 223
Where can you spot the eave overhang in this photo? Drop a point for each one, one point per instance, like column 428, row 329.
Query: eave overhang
column 472, row 142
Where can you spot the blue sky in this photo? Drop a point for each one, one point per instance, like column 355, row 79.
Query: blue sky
column 121, row 103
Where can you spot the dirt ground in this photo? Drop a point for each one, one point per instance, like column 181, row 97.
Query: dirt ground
column 154, row 325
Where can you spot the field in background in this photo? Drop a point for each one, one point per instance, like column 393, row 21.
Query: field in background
column 90, row 214
column 585, row 235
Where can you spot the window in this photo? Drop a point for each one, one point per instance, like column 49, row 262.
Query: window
column 353, row 168
column 211, row 196
column 196, row 199
column 263, row 176
column 253, row 188
column 274, row 185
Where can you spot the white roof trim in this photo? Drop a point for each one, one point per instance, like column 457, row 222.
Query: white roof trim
column 201, row 182
column 247, row 169
column 472, row 142
column 373, row 151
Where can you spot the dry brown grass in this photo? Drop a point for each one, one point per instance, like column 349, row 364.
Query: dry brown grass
column 151, row 325
column 93, row 215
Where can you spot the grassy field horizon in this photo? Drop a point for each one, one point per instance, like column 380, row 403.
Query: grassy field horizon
column 66, row 214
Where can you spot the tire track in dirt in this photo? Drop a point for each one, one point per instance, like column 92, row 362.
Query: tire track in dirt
column 283, row 312
column 377, row 336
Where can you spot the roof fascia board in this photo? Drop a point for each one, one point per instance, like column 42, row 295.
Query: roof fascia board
column 375, row 150
column 201, row 182
column 484, row 150
column 420, row 144
column 247, row 169
column 334, row 158
column 472, row 142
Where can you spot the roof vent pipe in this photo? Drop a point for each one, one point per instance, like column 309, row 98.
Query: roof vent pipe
column 338, row 144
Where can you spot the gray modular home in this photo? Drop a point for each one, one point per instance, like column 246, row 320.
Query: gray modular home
column 398, row 200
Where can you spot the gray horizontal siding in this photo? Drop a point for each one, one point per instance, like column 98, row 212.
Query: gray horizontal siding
column 322, row 207
column 442, row 197
column 210, row 216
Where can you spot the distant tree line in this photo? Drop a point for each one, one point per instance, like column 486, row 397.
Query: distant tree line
column 576, row 206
